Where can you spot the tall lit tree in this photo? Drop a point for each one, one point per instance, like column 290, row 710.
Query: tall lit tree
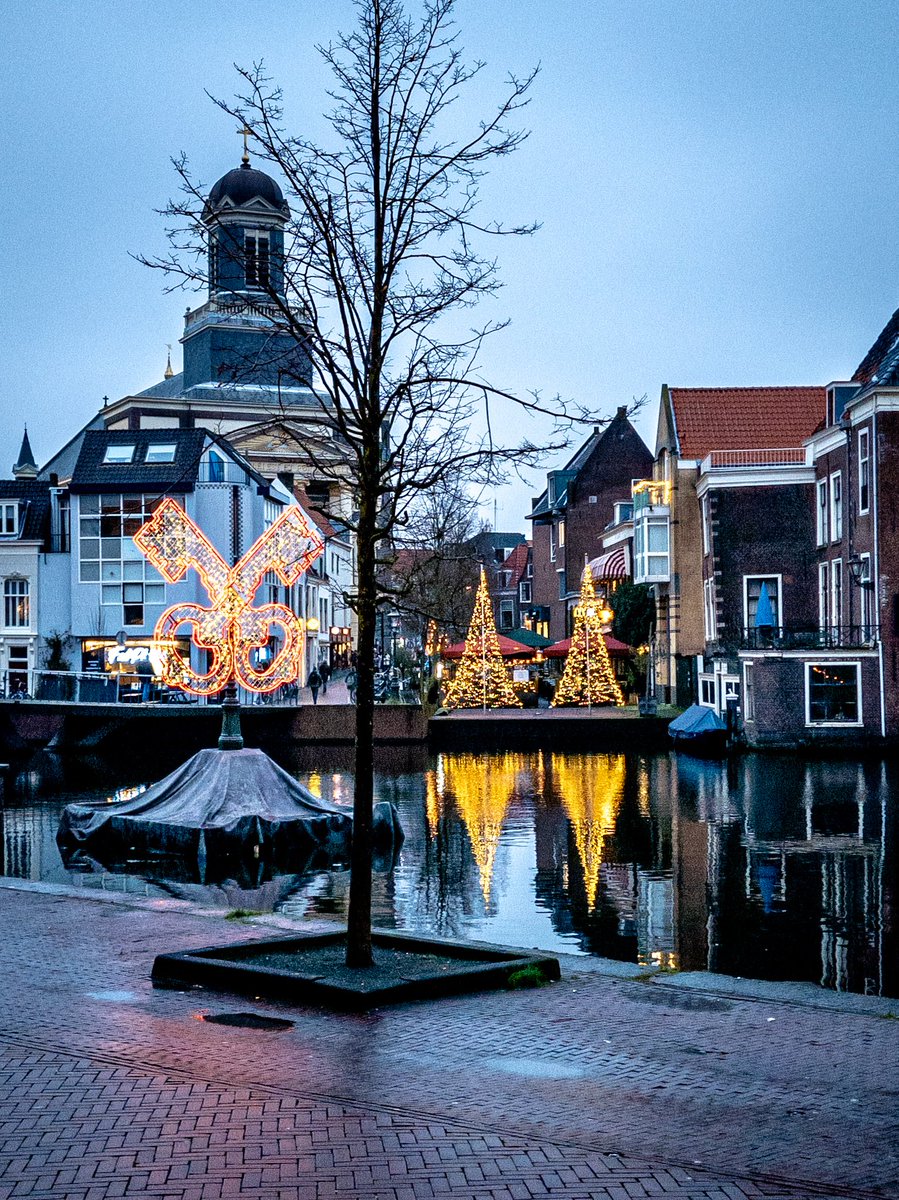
column 588, row 677
column 481, row 679
column 387, row 253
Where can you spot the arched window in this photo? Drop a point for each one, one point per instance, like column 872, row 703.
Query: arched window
column 16, row 603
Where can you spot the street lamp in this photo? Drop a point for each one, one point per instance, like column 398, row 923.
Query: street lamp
column 858, row 571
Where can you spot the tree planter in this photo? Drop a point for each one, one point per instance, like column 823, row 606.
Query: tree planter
column 311, row 969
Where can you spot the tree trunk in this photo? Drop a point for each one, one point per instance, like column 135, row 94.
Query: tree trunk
column 358, row 951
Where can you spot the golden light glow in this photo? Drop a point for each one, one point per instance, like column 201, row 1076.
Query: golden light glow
column 230, row 628
column 481, row 679
column 659, row 490
column 482, row 788
column 591, row 790
column 588, row 677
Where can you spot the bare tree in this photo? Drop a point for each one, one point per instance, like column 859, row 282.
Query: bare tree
column 387, row 243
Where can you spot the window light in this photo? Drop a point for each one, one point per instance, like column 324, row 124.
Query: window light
column 119, row 454
column 160, row 453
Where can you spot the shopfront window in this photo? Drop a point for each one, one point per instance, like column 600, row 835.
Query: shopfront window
column 832, row 694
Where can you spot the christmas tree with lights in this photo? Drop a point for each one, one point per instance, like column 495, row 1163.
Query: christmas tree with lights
column 481, row 680
column 588, row 677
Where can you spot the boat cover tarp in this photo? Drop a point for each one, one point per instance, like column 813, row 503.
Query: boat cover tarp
column 697, row 721
column 221, row 803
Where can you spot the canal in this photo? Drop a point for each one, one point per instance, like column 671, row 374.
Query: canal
column 764, row 867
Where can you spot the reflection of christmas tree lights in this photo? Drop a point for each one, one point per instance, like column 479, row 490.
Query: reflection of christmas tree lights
column 588, row 677
column 591, row 790
column 482, row 788
column 481, row 679
column 432, row 804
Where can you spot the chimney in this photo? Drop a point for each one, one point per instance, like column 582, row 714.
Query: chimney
column 622, row 412
column 286, row 477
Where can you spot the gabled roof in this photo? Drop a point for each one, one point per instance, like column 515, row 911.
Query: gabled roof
column 92, row 474
column 34, row 506
column 517, row 563
column 881, row 364
column 756, row 418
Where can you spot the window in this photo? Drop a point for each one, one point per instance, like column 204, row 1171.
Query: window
column 707, row 695
column 864, row 470
column 561, row 534
column 651, row 549
column 708, row 594
column 836, row 506
column 867, row 600
column 108, row 556
column 836, row 593
column 118, row 454
column 832, row 694
column 748, row 692
column 216, row 468
column 16, row 604
column 552, row 543
column 160, row 453
column 821, row 523
column 506, row 614
column 256, row 259
column 505, row 578
column 563, row 585
column 823, row 595
column 706, row 526
column 752, row 585
column 524, row 593
column 9, row 520
column 592, row 499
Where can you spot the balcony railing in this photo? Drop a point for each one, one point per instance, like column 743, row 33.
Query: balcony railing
column 808, row 637
column 791, row 456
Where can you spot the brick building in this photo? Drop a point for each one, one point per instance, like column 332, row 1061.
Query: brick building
column 588, row 494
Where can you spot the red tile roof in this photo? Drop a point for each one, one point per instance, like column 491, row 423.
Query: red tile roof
column 517, row 563
column 318, row 518
column 759, row 418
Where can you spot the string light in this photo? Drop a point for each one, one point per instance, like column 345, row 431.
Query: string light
column 481, row 679
column 588, row 677
column 230, row 629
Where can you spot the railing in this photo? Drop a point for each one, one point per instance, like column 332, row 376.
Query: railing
column 808, row 637
column 793, row 456
column 223, row 472
column 650, row 493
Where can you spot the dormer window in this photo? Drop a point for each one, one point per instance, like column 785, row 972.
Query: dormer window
column 118, row 455
column 256, row 259
column 9, row 519
column 161, row 453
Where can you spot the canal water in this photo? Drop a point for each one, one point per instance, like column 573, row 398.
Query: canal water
column 763, row 867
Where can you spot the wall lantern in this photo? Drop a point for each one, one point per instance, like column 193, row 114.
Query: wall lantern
column 858, row 571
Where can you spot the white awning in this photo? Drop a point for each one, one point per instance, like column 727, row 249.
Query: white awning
column 613, row 565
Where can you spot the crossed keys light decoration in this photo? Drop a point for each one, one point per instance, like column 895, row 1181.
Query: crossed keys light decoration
column 231, row 627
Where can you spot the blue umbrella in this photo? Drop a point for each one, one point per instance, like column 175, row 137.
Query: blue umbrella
column 764, row 614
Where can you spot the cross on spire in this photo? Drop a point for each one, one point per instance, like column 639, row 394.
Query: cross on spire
column 245, row 133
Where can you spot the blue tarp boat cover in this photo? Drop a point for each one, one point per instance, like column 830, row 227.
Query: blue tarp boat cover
column 697, row 721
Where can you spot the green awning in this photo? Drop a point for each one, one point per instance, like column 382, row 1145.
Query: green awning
column 527, row 637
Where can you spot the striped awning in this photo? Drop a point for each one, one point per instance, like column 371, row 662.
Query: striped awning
column 613, row 565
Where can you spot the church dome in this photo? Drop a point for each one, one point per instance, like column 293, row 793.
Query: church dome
column 244, row 184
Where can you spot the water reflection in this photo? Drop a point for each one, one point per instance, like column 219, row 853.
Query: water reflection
column 763, row 867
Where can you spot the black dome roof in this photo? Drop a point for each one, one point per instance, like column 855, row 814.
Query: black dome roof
column 245, row 183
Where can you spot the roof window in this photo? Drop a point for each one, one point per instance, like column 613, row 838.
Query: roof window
column 118, row 454
column 161, row 452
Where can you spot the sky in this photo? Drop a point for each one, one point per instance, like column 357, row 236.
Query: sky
column 716, row 185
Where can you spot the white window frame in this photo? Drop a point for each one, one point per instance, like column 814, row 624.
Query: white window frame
column 823, row 595
column 822, row 520
column 836, row 595
column 706, row 526
column 119, row 454
column 867, row 599
column 552, row 542
column 160, row 452
column 779, row 618
column 561, row 533
column 524, row 591
column 748, row 692
column 708, row 691
column 9, row 518
column 864, row 470
column 506, row 609
column 858, row 696
column 836, row 506
column 257, row 235
column 708, row 610
column 15, row 600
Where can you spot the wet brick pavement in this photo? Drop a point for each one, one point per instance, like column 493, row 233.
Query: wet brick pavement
column 595, row 1087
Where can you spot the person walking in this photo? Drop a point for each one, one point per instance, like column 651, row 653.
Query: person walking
column 313, row 683
column 325, row 671
column 352, row 682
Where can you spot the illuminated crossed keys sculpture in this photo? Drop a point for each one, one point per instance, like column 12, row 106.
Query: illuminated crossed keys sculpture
column 230, row 628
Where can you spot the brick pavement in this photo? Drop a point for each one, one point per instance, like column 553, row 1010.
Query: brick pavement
column 596, row 1087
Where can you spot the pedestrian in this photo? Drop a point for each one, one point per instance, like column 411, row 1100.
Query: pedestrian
column 352, row 682
column 325, row 672
column 313, row 683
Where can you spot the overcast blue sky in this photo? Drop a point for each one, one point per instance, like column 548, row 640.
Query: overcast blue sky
column 717, row 184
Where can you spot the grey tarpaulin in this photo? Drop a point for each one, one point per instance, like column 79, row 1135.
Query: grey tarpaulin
column 221, row 804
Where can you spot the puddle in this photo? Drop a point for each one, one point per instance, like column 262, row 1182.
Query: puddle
column 535, row 1068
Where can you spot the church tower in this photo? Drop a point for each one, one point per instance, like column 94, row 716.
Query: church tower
column 238, row 335
column 25, row 467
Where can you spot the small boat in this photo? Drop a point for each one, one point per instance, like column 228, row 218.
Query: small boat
column 699, row 730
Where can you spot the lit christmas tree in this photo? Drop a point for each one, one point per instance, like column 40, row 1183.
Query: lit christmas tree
column 481, row 679
column 588, row 677
column 592, row 790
